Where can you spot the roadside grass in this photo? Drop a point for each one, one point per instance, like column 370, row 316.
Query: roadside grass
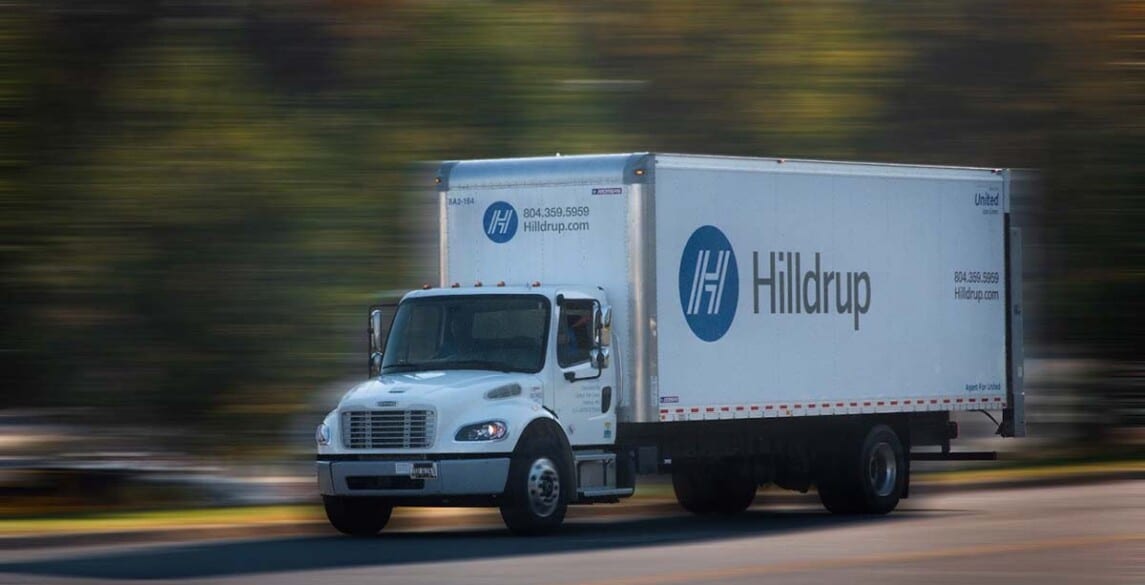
column 95, row 522
column 1032, row 472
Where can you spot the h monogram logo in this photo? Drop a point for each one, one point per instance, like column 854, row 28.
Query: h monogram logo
column 710, row 282
column 500, row 222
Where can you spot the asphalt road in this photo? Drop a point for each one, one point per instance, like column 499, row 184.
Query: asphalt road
column 1074, row 534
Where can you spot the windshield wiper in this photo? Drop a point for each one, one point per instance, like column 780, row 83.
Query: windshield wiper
column 408, row 367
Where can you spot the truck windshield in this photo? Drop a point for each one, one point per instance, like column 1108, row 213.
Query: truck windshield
column 488, row 332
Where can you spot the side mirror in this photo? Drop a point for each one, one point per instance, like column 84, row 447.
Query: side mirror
column 597, row 326
column 375, row 364
column 377, row 330
column 606, row 323
column 600, row 355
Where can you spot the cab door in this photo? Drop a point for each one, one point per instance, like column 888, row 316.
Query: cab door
column 584, row 386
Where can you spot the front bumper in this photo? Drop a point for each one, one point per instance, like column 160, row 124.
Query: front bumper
column 455, row 477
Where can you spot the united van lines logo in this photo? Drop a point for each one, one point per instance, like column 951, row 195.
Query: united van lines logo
column 989, row 198
column 500, row 222
column 709, row 283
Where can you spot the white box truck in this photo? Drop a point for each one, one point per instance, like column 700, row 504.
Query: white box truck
column 732, row 321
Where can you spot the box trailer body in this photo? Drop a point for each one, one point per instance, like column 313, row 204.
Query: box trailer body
column 744, row 308
column 833, row 286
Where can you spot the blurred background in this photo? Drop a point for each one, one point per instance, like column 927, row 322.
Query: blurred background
column 199, row 199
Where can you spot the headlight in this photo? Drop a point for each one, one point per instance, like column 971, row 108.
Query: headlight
column 322, row 434
column 493, row 430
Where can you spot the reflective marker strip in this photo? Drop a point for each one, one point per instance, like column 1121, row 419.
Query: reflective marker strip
column 824, row 408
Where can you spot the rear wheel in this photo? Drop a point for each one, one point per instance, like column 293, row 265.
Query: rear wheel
column 694, row 491
column 867, row 477
column 735, row 489
column 706, row 489
column 359, row 517
column 837, row 495
column 536, row 496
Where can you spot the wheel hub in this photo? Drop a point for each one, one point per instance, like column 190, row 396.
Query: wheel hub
column 544, row 487
column 882, row 470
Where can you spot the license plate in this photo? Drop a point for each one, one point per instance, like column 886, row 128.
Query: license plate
column 424, row 471
column 427, row 470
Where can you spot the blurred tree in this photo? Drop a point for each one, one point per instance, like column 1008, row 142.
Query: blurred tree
column 742, row 78
column 480, row 79
column 18, row 212
column 1095, row 178
column 198, row 199
column 191, row 237
column 54, row 55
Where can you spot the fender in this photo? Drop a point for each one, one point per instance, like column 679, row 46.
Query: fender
column 546, row 425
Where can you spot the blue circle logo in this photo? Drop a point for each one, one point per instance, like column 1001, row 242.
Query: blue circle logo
column 709, row 283
column 500, row 222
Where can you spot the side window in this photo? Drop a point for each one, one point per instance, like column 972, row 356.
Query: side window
column 574, row 335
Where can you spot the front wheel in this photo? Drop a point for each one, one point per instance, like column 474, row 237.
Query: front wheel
column 359, row 517
column 536, row 496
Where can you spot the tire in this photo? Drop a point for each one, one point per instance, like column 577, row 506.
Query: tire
column 868, row 477
column 713, row 489
column 735, row 490
column 537, row 491
column 837, row 495
column 694, row 491
column 360, row 517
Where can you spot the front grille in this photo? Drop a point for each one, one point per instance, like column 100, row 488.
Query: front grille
column 388, row 429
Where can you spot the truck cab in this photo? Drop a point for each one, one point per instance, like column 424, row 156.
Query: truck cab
column 483, row 395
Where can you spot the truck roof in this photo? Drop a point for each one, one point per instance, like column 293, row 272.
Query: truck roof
column 547, row 290
column 638, row 167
